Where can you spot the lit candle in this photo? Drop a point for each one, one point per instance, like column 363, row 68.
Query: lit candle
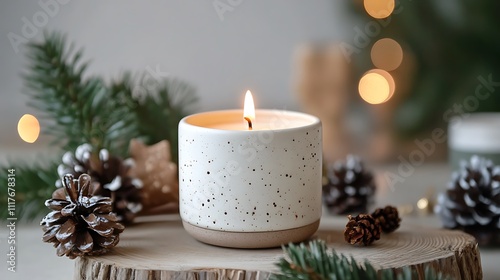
column 250, row 178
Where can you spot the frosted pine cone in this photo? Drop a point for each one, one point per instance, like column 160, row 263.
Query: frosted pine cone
column 472, row 200
column 80, row 224
column 109, row 178
column 349, row 187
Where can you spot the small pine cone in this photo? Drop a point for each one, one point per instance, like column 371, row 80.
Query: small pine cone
column 362, row 229
column 348, row 187
column 80, row 224
column 388, row 218
column 110, row 178
column 472, row 200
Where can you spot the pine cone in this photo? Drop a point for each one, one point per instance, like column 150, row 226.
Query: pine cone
column 362, row 229
column 472, row 201
column 109, row 178
column 388, row 218
column 348, row 187
column 80, row 224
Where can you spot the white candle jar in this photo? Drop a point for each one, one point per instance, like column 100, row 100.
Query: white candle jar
column 250, row 188
column 474, row 134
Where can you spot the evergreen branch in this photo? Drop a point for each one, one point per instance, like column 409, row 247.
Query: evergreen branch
column 158, row 109
column 84, row 110
column 164, row 110
column 33, row 185
column 313, row 262
column 77, row 109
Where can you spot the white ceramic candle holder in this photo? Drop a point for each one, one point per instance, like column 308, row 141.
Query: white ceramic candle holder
column 474, row 134
column 250, row 188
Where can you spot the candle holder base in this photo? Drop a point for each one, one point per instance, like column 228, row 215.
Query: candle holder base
column 251, row 240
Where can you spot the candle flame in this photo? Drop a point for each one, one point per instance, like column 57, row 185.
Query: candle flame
column 249, row 108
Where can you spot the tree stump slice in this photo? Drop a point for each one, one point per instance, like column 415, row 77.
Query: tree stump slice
column 163, row 250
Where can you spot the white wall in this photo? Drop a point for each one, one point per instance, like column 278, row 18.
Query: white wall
column 248, row 47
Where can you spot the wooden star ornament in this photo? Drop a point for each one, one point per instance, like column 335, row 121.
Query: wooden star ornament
column 159, row 175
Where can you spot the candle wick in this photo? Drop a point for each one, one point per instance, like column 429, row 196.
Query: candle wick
column 249, row 122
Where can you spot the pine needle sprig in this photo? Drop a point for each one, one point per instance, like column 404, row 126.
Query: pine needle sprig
column 33, row 185
column 165, row 107
column 75, row 109
column 79, row 109
column 158, row 107
column 314, row 262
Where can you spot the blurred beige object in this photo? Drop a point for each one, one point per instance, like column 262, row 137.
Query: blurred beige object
column 321, row 83
column 154, row 166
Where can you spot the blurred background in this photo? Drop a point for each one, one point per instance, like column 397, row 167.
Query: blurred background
column 384, row 73
column 221, row 50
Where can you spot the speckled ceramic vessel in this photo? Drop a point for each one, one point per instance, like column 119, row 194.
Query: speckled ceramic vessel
column 261, row 188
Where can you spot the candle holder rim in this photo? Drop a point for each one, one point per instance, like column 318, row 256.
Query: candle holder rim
column 314, row 121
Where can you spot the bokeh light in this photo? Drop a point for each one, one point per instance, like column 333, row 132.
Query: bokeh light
column 376, row 86
column 387, row 54
column 28, row 128
column 379, row 8
column 389, row 79
column 422, row 203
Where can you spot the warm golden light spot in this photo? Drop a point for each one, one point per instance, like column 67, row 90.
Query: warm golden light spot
column 387, row 54
column 379, row 8
column 389, row 78
column 28, row 128
column 422, row 203
column 376, row 86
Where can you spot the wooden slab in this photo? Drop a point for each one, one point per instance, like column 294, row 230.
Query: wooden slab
column 163, row 250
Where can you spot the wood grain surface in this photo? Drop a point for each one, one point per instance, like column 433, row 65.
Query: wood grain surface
column 163, row 250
